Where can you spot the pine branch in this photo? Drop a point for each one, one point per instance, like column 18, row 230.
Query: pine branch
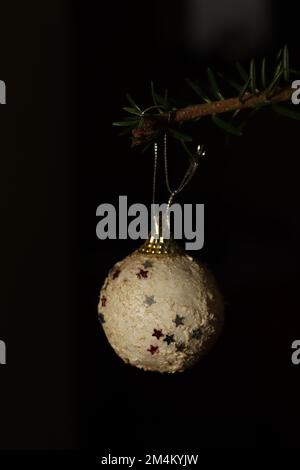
column 248, row 100
column 263, row 84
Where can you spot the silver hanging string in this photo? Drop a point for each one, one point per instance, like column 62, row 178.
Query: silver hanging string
column 154, row 171
column 186, row 178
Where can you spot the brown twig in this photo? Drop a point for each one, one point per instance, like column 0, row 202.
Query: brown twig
column 163, row 121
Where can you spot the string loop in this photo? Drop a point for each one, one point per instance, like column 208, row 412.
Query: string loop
column 186, row 178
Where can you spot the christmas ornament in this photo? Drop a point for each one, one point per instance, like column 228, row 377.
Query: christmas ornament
column 159, row 308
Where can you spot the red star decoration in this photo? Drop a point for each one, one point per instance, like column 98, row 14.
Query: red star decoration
column 116, row 273
column 142, row 274
column 152, row 349
column 103, row 301
column 157, row 333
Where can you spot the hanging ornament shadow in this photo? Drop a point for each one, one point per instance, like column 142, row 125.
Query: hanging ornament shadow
column 161, row 309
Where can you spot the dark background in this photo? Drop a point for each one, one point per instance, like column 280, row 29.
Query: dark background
column 67, row 66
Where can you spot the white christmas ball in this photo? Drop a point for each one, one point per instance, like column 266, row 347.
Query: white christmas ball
column 160, row 312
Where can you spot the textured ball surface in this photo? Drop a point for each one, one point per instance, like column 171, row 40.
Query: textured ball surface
column 160, row 312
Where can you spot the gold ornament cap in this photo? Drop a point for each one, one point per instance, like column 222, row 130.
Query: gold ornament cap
column 158, row 242
column 161, row 246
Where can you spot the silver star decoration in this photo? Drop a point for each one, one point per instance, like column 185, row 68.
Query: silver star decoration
column 101, row 318
column 147, row 264
column 169, row 339
column 178, row 320
column 197, row 333
column 149, row 300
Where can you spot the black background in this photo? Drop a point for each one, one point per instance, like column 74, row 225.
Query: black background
column 67, row 67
